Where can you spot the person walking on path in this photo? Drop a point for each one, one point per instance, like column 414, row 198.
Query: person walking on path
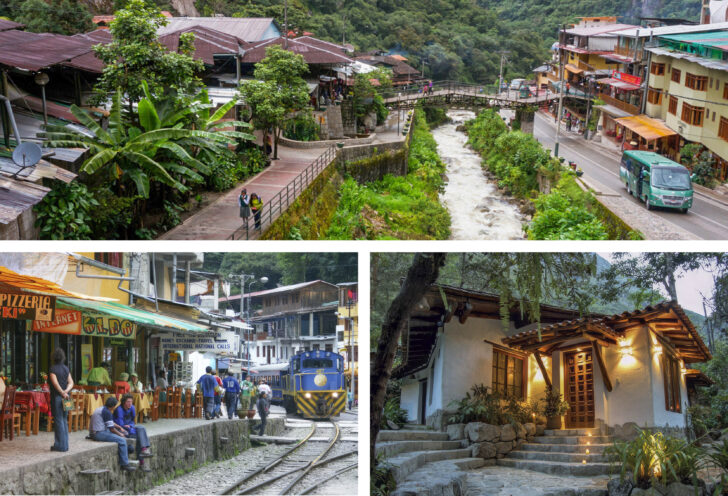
column 208, row 383
column 61, row 384
column 244, row 205
column 263, row 407
column 246, row 391
column 232, row 389
column 350, row 399
column 99, row 376
column 219, row 392
column 102, row 428
column 256, row 205
column 124, row 417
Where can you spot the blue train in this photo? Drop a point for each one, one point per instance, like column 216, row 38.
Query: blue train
column 312, row 383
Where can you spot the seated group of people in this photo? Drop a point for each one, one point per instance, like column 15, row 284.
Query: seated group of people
column 115, row 424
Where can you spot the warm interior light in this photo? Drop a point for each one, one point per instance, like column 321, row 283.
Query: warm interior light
column 578, row 349
column 588, row 434
column 584, row 462
column 587, row 451
column 657, row 349
column 588, row 443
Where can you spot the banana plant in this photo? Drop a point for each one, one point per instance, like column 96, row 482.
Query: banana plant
column 153, row 153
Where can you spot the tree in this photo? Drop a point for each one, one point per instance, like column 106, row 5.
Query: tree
column 421, row 274
column 59, row 16
column 279, row 91
column 127, row 153
column 134, row 55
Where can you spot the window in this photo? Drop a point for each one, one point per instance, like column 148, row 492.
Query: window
column 692, row 115
column 654, row 96
column 698, row 83
column 671, row 376
column 340, row 336
column 317, row 363
column 725, row 91
column 675, row 76
column 113, row 259
column 257, row 351
column 672, row 106
column 657, row 69
column 328, row 347
column 508, row 376
column 723, row 128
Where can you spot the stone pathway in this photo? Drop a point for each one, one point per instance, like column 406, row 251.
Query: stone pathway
column 220, row 219
column 505, row 481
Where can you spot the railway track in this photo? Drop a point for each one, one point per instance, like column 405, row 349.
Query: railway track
column 284, row 472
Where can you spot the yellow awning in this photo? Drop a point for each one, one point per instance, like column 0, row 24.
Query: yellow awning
column 647, row 127
column 573, row 69
column 10, row 279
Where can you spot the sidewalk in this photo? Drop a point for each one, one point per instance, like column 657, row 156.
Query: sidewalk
column 220, row 219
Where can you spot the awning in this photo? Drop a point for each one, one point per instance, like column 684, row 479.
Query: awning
column 573, row 69
column 42, row 286
column 619, row 84
column 134, row 315
column 613, row 111
column 619, row 58
column 647, row 127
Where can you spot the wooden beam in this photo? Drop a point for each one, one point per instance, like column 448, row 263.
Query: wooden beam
column 560, row 339
column 543, row 370
column 605, row 376
column 465, row 312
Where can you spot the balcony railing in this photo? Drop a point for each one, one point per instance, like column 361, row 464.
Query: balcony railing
column 627, row 107
column 627, row 52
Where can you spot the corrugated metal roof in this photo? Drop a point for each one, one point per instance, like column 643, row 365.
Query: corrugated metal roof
column 208, row 43
column 647, row 127
column 292, row 287
column 6, row 25
column 35, row 51
column 714, row 39
column 596, row 30
column 709, row 63
column 245, row 28
column 666, row 30
column 18, row 196
column 313, row 51
column 39, row 285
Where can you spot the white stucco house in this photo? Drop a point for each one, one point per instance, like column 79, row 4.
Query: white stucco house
column 612, row 370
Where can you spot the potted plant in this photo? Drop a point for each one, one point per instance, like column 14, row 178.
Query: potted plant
column 554, row 408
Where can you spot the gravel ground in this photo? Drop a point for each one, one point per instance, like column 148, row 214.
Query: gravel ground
column 214, row 477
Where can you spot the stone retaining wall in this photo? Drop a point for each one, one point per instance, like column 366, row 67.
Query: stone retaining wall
column 212, row 441
column 325, row 143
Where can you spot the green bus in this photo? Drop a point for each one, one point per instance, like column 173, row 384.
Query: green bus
column 656, row 180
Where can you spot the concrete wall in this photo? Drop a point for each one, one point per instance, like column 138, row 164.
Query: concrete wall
column 62, row 475
column 409, row 398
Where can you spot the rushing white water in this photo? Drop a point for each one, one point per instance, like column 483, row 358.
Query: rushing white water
column 477, row 209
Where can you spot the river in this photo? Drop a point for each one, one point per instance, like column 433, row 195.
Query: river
column 477, row 209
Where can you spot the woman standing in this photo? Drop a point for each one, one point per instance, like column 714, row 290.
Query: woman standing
column 61, row 384
column 256, row 205
column 244, row 204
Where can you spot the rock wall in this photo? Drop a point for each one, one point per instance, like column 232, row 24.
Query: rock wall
column 489, row 441
column 63, row 475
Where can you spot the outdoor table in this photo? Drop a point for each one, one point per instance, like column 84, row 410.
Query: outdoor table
column 36, row 401
column 93, row 401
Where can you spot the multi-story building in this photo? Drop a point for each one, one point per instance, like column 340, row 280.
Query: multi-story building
column 347, row 330
column 688, row 89
column 292, row 319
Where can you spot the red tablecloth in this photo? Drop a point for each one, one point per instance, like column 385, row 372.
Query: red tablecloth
column 37, row 398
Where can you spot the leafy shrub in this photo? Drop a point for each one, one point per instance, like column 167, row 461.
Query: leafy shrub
column 652, row 457
column 382, row 479
column 435, row 116
column 255, row 160
column 704, row 170
column 482, row 405
column 303, row 127
column 113, row 215
column 393, row 413
column 66, row 212
column 225, row 172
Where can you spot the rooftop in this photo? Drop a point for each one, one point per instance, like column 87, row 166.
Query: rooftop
column 313, row 51
column 597, row 30
column 245, row 28
column 666, row 30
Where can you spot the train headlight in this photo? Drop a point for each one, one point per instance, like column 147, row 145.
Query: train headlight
column 335, row 395
column 307, row 395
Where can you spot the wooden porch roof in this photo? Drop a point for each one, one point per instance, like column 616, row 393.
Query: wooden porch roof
column 667, row 320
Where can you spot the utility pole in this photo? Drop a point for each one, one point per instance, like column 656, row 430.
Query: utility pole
column 500, row 74
column 561, row 89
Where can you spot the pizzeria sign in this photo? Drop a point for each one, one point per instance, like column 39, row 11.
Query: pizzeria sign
column 27, row 306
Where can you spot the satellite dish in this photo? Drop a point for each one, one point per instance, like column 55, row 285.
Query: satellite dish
column 27, row 154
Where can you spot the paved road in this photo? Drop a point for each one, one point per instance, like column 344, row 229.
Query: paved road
column 707, row 219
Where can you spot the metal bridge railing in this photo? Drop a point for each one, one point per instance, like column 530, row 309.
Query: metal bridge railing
column 256, row 224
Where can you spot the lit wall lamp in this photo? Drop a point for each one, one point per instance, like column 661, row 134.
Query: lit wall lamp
column 657, row 349
column 624, row 348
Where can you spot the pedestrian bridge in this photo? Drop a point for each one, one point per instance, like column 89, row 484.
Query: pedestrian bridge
column 467, row 95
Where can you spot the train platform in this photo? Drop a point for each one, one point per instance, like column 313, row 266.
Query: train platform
column 28, row 466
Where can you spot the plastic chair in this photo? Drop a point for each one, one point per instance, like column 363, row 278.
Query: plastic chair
column 8, row 415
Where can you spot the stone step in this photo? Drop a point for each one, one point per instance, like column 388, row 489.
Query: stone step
column 406, row 463
column 565, row 448
column 573, row 439
column 417, row 427
column 412, row 435
column 392, row 448
column 572, row 432
column 550, row 456
column 438, row 478
column 557, row 468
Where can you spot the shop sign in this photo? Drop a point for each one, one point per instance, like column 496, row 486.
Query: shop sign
column 26, row 306
column 174, row 357
column 65, row 322
column 95, row 324
column 214, row 342
column 627, row 78
column 117, row 342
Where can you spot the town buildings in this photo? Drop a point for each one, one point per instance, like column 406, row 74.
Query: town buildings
column 347, row 328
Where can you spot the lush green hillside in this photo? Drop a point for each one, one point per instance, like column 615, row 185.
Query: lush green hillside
column 458, row 39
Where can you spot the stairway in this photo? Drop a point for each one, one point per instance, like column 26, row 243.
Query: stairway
column 576, row 452
column 426, row 462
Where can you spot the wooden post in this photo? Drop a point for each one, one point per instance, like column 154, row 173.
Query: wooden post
column 546, row 377
column 3, row 113
column 605, row 376
column 77, row 87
